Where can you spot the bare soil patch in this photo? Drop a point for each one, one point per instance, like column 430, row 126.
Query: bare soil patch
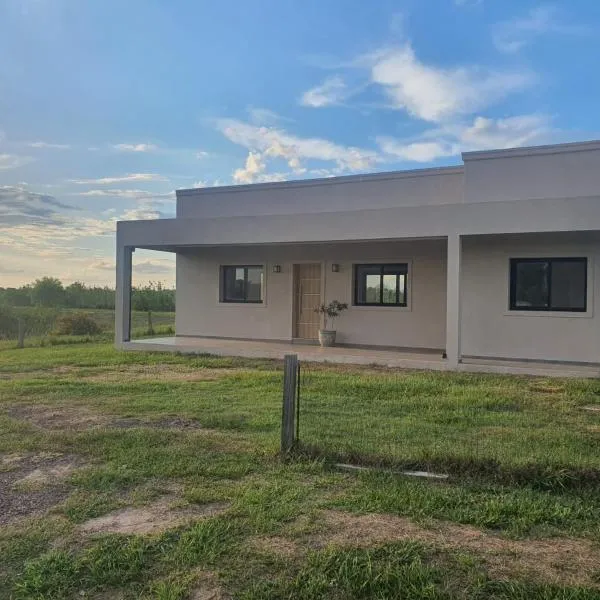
column 80, row 418
column 276, row 545
column 31, row 484
column 562, row 561
column 152, row 518
column 208, row 588
column 75, row 418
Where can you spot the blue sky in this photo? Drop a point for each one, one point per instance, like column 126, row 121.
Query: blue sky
column 107, row 106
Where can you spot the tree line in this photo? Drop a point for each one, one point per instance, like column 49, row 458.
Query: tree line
column 49, row 292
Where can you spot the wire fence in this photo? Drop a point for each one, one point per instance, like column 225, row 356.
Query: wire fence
column 506, row 428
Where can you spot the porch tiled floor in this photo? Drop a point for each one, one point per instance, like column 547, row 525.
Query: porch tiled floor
column 356, row 356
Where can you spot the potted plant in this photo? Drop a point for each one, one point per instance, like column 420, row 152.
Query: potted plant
column 330, row 313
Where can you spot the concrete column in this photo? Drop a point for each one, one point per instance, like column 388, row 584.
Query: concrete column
column 123, row 295
column 453, row 312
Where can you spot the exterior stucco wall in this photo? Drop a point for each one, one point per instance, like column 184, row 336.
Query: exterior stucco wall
column 490, row 329
column 420, row 325
column 356, row 192
column 522, row 174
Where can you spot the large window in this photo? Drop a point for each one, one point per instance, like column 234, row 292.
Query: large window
column 558, row 284
column 380, row 285
column 242, row 284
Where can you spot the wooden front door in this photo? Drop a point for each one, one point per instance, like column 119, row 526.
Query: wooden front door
column 307, row 296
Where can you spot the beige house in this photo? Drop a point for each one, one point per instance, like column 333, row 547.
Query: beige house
column 491, row 261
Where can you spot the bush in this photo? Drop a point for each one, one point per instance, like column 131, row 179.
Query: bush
column 78, row 323
column 36, row 321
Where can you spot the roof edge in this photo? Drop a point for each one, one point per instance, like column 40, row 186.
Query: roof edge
column 532, row 150
column 342, row 179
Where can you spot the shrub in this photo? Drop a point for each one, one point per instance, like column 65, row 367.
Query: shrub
column 78, row 323
column 36, row 321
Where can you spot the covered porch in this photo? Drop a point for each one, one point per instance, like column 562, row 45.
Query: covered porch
column 390, row 358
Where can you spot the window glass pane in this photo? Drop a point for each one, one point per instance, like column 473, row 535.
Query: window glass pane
column 380, row 284
column 255, row 284
column 389, row 289
column 568, row 285
column 402, row 289
column 242, row 284
column 373, row 288
column 531, row 285
column 232, row 290
column 367, row 284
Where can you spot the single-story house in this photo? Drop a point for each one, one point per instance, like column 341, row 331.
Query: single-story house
column 496, row 259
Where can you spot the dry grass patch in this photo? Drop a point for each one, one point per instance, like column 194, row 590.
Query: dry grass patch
column 208, row 588
column 563, row 561
column 153, row 518
column 75, row 418
column 30, row 484
column 159, row 373
column 278, row 545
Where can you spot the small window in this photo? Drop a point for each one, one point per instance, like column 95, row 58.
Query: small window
column 557, row 284
column 380, row 285
column 242, row 284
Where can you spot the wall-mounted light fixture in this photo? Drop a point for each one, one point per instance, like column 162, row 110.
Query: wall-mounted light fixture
column 335, row 267
column 276, row 268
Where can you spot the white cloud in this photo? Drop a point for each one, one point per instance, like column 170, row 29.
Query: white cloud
column 202, row 154
column 423, row 151
column 48, row 145
column 480, row 134
column 512, row 36
column 254, row 167
column 12, row 161
column 331, row 92
column 135, row 147
column 125, row 194
column 511, row 132
column 271, row 142
column 435, row 94
column 264, row 116
column 120, row 179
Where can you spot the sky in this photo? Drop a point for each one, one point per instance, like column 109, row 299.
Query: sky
column 107, row 107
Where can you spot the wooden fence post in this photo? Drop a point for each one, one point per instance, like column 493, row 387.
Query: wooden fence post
column 288, row 415
column 21, row 334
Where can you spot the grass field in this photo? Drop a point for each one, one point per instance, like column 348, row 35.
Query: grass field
column 127, row 475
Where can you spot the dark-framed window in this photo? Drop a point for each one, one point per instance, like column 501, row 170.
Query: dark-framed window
column 242, row 283
column 380, row 284
column 548, row 284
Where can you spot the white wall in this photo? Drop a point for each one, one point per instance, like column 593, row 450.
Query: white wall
column 382, row 190
column 562, row 171
column 420, row 325
column 490, row 329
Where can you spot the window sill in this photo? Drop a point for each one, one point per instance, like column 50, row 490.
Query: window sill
column 549, row 313
column 379, row 308
column 241, row 304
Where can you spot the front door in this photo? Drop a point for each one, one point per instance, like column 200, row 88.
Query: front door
column 307, row 296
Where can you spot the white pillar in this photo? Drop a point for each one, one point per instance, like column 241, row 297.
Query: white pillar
column 123, row 295
column 453, row 312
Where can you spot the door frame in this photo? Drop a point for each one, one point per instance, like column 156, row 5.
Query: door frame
column 323, row 265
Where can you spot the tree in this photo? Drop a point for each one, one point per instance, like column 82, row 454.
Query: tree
column 48, row 291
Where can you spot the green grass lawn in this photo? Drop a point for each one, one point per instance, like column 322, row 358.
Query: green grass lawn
column 181, row 453
column 519, row 429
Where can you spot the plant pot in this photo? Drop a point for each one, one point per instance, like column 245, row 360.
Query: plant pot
column 326, row 337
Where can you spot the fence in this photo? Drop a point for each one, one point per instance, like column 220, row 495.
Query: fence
column 506, row 428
